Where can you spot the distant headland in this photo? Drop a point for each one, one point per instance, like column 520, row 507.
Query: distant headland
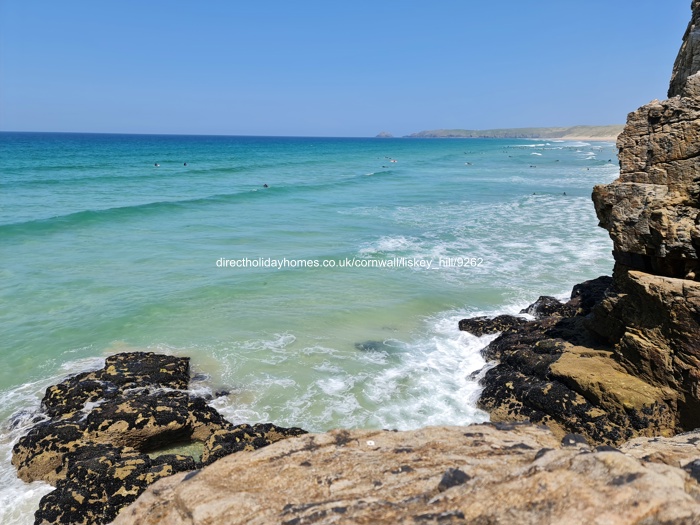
column 571, row 133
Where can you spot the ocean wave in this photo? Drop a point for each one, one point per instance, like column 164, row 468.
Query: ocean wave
column 396, row 384
column 86, row 218
column 20, row 408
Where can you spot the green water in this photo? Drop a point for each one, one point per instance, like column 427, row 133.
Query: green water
column 102, row 251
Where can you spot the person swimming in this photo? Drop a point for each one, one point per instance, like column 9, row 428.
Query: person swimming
column 265, row 186
column 157, row 165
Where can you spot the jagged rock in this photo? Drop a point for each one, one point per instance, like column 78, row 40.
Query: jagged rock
column 651, row 318
column 102, row 479
column 586, row 295
column 485, row 325
column 552, row 371
column 547, row 306
column 688, row 61
column 654, row 324
column 477, row 474
column 244, row 437
column 109, row 431
column 652, row 211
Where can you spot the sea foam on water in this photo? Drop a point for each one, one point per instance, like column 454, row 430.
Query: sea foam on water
column 132, row 266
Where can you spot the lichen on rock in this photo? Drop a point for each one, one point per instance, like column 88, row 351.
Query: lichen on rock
column 481, row 474
column 100, row 446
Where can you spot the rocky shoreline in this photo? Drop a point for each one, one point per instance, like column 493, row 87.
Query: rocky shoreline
column 118, row 446
column 552, row 371
column 595, row 403
column 625, row 362
column 111, row 433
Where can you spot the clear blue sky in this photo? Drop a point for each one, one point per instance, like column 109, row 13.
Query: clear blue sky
column 331, row 68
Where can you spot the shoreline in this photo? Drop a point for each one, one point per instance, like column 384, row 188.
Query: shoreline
column 587, row 139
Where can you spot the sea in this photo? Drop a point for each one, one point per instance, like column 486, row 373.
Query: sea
column 318, row 282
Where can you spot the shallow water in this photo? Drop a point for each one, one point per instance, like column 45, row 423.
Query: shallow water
column 102, row 251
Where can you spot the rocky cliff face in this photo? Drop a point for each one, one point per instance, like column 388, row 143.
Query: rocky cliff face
column 653, row 210
column 688, row 60
column 626, row 362
column 651, row 316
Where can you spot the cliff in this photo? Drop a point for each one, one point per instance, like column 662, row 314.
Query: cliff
column 651, row 316
column 626, row 361
column 688, row 61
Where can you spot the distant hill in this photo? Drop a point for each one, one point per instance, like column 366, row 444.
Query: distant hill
column 574, row 132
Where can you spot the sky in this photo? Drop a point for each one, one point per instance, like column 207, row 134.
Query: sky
column 331, row 68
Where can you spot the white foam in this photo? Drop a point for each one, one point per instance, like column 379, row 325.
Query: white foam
column 19, row 500
column 422, row 381
column 390, row 244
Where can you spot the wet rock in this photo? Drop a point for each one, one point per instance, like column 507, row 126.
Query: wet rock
column 547, row 306
column 244, row 437
column 479, row 326
column 586, row 295
column 554, row 371
column 110, row 431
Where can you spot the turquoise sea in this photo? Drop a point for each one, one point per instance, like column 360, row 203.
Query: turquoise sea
column 173, row 244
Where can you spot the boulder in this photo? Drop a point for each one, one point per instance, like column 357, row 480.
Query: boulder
column 481, row 474
column 110, row 434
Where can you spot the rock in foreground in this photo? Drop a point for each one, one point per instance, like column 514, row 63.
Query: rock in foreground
column 520, row 475
column 109, row 433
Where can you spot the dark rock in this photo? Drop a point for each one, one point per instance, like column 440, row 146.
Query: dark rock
column 607, row 448
column 453, row 477
column 587, row 294
column 547, row 306
column 244, row 437
column 479, row 326
column 573, row 440
column 550, row 371
column 100, row 446
column 541, row 452
column 693, row 468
